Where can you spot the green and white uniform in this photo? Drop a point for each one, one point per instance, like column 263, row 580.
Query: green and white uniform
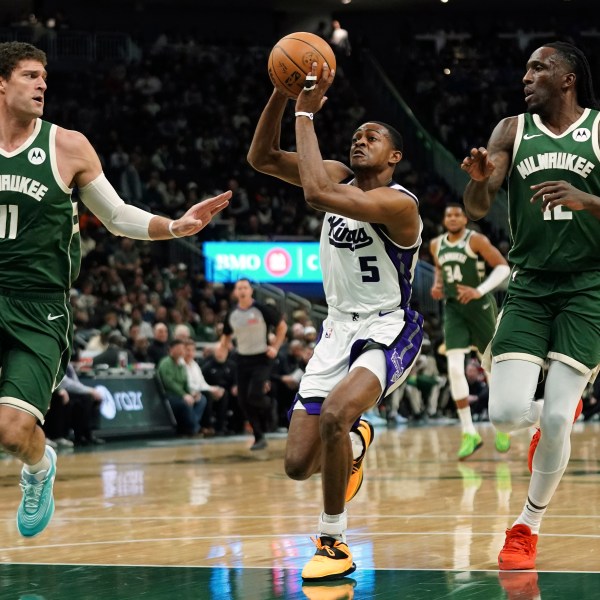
column 552, row 309
column 40, row 258
column 471, row 324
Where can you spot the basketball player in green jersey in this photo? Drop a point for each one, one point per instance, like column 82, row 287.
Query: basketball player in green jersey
column 470, row 315
column 40, row 164
column 552, row 310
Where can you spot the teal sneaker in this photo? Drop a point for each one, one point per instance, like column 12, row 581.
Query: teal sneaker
column 502, row 441
column 470, row 443
column 37, row 506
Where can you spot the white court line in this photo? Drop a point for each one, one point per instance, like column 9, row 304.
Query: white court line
column 281, row 536
column 270, row 517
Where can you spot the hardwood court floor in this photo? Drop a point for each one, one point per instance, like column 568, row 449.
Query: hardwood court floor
column 207, row 519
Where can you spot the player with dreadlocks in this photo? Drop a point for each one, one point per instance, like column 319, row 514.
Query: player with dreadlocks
column 551, row 315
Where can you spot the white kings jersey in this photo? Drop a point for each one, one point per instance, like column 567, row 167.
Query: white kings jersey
column 363, row 269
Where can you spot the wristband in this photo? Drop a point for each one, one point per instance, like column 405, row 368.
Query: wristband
column 301, row 113
column 171, row 230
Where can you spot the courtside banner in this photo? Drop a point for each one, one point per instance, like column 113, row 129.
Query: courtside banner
column 272, row 262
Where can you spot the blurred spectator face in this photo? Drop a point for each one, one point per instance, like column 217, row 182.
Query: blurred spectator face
column 182, row 332
column 161, row 313
column 189, row 352
column 161, row 332
column 134, row 332
column 297, row 331
column 310, row 334
column 472, row 373
column 297, row 349
column 176, row 351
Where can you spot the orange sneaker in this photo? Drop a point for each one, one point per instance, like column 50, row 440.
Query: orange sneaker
column 535, row 440
column 332, row 560
column 519, row 549
column 520, row 585
column 366, row 432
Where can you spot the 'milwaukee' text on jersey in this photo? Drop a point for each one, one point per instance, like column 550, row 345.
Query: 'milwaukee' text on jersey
column 555, row 160
column 23, row 185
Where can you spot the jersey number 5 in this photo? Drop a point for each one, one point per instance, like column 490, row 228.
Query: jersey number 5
column 370, row 272
column 9, row 219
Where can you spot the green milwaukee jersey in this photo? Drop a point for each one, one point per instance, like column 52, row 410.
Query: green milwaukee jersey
column 459, row 264
column 39, row 232
column 560, row 239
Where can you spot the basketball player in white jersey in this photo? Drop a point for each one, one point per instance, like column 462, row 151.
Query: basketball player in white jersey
column 371, row 338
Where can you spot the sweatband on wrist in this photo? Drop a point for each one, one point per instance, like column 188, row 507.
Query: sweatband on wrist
column 171, row 230
column 301, row 113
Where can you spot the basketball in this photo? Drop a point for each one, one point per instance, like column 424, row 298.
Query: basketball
column 291, row 59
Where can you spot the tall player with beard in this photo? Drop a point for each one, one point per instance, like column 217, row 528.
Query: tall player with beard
column 40, row 164
column 552, row 310
column 369, row 246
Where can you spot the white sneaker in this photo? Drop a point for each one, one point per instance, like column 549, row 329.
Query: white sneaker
column 64, row 443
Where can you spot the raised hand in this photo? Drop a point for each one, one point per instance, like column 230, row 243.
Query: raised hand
column 478, row 165
column 200, row 215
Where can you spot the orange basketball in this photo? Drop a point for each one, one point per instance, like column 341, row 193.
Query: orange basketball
column 291, row 59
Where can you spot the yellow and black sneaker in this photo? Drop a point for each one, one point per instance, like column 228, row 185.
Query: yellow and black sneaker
column 366, row 432
column 332, row 560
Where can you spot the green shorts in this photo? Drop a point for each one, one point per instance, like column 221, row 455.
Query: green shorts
column 471, row 324
column 36, row 333
column 551, row 315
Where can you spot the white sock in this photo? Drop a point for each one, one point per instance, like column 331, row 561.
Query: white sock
column 531, row 516
column 42, row 465
column 334, row 525
column 358, row 446
column 466, row 420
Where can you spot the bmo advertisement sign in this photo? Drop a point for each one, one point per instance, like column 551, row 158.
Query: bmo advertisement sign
column 269, row 262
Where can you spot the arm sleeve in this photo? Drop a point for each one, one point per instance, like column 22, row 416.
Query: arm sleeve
column 119, row 218
column 494, row 279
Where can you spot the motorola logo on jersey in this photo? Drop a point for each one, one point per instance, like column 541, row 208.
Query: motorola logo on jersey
column 583, row 134
column 278, row 262
column 36, row 156
column 341, row 236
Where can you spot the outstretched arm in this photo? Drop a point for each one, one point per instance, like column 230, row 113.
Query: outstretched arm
column 79, row 165
column 487, row 168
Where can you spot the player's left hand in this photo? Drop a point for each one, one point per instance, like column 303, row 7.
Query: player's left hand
column 312, row 101
column 200, row 215
column 555, row 193
column 466, row 293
